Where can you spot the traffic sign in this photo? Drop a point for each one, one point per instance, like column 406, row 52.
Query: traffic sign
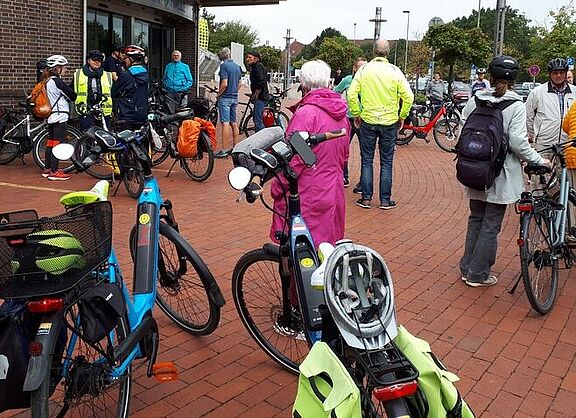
column 570, row 62
column 534, row 70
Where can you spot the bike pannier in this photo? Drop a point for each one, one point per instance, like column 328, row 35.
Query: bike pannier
column 18, row 329
column 188, row 134
column 100, row 311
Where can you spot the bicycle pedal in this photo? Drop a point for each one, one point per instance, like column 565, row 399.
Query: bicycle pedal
column 165, row 372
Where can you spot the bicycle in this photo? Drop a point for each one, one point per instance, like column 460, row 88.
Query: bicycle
column 266, row 280
column 19, row 136
column 82, row 360
column 445, row 125
column 211, row 108
column 544, row 221
column 273, row 105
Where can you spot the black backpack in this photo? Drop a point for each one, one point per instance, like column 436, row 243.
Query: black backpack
column 482, row 146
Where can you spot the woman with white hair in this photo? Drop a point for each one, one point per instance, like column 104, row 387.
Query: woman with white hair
column 321, row 188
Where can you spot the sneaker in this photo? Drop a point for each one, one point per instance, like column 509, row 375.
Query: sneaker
column 363, row 203
column 58, row 176
column 346, row 182
column 388, row 205
column 46, row 172
column 357, row 189
column 490, row 281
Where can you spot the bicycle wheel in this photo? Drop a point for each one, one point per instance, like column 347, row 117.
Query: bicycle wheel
column 184, row 290
column 406, row 134
column 132, row 175
column 257, row 292
column 103, row 168
column 73, row 135
column 201, row 165
column 248, row 128
column 166, row 135
column 446, row 133
column 539, row 264
column 10, row 143
column 282, row 120
column 78, row 383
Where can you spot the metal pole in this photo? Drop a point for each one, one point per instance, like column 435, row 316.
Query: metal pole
column 287, row 67
column 406, row 51
column 499, row 29
column 478, row 24
column 354, row 31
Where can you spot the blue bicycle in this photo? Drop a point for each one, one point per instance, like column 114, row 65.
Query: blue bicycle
column 91, row 330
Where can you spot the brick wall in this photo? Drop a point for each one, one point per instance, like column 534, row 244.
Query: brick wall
column 34, row 29
column 185, row 35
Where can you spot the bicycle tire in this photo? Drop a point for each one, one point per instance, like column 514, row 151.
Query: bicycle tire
column 73, row 135
column 202, row 310
column 446, row 133
column 282, row 120
column 405, row 135
column 257, row 293
column 200, row 166
column 167, row 136
column 536, row 261
column 9, row 151
column 102, row 169
column 248, row 128
column 132, row 175
column 59, row 381
column 213, row 115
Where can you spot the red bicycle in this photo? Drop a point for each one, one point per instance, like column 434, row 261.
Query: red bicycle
column 445, row 125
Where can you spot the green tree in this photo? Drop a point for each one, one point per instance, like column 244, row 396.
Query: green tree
column 270, row 57
column 232, row 31
column 338, row 52
column 211, row 19
column 311, row 50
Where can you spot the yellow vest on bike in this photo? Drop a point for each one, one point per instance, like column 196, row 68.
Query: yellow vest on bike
column 81, row 89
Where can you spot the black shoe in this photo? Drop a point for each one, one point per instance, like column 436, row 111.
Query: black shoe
column 363, row 203
column 388, row 205
column 357, row 189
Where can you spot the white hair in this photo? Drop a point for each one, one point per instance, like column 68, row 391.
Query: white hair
column 315, row 75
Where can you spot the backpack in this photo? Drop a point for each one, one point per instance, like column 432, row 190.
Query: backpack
column 188, row 134
column 39, row 98
column 482, row 146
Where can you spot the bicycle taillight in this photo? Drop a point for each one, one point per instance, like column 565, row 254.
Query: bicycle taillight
column 396, row 391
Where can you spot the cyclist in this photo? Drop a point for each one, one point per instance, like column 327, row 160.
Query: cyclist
column 259, row 87
column 547, row 104
column 59, row 94
column 177, row 81
column 130, row 90
column 481, row 83
column 435, row 93
column 113, row 62
column 92, row 84
column 230, row 75
column 487, row 208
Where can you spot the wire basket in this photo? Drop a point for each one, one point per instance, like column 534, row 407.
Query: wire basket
column 47, row 256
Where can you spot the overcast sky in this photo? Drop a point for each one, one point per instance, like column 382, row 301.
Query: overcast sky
column 307, row 18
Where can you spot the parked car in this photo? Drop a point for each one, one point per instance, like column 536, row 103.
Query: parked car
column 460, row 91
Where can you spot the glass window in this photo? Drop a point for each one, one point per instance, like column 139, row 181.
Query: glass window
column 140, row 34
column 120, row 26
column 98, row 36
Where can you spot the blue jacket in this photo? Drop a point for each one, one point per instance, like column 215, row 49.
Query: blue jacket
column 177, row 77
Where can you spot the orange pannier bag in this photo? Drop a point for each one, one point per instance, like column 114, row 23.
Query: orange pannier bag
column 188, row 134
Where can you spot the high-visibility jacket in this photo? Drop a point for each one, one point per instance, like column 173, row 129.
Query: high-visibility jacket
column 81, row 89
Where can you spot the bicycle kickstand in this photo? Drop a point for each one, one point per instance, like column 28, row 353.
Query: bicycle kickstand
column 118, row 183
column 172, row 166
column 519, row 277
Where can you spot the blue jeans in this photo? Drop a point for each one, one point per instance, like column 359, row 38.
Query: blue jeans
column 386, row 137
column 257, row 115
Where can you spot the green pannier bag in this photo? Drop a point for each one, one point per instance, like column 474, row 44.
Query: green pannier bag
column 435, row 381
column 325, row 388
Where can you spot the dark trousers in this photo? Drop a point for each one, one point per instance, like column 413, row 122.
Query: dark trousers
column 484, row 224
column 56, row 135
column 353, row 131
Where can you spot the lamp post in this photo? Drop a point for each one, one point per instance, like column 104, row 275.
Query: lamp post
column 354, row 31
column 478, row 24
column 406, row 51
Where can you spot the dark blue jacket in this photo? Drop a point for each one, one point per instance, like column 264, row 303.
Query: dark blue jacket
column 130, row 95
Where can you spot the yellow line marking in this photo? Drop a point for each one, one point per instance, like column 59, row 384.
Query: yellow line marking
column 46, row 189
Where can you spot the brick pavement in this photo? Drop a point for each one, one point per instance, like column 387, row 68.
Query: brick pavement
column 512, row 362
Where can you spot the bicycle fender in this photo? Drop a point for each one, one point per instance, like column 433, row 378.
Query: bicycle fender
column 47, row 336
column 272, row 249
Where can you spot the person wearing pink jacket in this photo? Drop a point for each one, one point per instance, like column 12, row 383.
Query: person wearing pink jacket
column 323, row 203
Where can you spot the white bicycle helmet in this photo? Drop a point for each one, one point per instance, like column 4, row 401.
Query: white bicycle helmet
column 55, row 60
column 360, row 296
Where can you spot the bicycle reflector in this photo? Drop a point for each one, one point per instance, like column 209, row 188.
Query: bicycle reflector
column 45, row 305
column 397, row 391
column 268, row 118
column 524, row 206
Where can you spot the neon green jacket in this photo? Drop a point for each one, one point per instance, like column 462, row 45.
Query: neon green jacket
column 381, row 85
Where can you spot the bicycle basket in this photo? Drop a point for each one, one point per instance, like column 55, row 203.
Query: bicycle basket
column 200, row 106
column 46, row 256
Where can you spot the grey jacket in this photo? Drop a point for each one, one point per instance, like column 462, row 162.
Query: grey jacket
column 510, row 183
column 435, row 89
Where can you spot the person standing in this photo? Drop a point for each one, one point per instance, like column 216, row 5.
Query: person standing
column 258, row 87
column 92, row 86
column 59, row 95
column 481, row 82
column 114, row 62
column 487, row 208
column 547, row 104
column 435, row 91
column 177, row 81
column 230, row 75
column 130, row 90
column 570, row 77
column 341, row 88
column 373, row 98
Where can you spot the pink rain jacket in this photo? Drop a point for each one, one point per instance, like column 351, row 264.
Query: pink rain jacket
column 321, row 186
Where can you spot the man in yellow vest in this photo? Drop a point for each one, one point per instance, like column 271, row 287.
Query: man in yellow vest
column 92, row 85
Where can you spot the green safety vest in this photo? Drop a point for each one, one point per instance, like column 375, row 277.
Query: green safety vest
column 81, row 89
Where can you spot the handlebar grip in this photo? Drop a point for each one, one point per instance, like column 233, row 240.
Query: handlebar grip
column 319, row 138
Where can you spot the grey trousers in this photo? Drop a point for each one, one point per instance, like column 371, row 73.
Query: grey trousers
column 484, row 224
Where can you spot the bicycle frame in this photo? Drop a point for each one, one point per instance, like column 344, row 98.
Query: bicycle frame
column 29, row 130
column 428, row 127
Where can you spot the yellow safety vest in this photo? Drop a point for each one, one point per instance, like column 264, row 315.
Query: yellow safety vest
column 81, row 89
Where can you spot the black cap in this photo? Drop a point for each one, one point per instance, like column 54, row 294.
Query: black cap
column 95, row 55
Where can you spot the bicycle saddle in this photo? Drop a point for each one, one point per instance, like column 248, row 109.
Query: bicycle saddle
column 537, row 169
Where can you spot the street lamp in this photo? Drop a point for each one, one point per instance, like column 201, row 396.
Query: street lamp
column 479, row 3
column 407, row 29
column 354, row 31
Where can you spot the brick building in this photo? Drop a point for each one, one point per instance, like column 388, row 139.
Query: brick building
column 34, row 29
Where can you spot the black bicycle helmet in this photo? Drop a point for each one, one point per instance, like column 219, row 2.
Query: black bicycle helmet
column 557, row 64
column 504, row 67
